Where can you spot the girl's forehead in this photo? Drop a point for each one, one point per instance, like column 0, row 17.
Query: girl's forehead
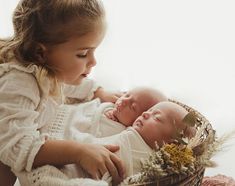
column 95, row 34
column 90, row 40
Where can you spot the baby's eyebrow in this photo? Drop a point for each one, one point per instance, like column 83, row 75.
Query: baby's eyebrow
column 156, row 111
column 161, row 116
column 134, row 100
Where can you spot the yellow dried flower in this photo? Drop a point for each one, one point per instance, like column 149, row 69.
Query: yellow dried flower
column 178, row 156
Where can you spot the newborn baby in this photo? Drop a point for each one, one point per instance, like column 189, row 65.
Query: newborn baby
column 161, row 123
column 106, row 119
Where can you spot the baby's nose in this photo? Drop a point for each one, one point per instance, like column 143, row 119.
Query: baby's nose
column 145, row 115
column 125, row 101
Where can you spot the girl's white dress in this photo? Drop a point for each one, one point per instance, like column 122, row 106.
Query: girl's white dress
column 25, row 111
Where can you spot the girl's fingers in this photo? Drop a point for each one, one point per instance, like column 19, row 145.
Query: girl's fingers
column 97, row 175
column 119, row 165
column 103, row 171
column 117, row 162
column 112, row 148
column 113, row 171
column 107, row 177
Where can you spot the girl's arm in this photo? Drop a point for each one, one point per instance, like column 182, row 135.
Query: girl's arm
column 89, row 90
column 95, row 159
column 6, row 176
column 107, row 96
column 83, row 92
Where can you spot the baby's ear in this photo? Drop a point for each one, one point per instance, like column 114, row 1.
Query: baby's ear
column 190, row 119
column 190, row 132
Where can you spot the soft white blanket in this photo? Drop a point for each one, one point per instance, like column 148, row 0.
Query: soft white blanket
column 132, row 151
column 89, row 118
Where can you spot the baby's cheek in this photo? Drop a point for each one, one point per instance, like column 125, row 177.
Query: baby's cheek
column 125, row 111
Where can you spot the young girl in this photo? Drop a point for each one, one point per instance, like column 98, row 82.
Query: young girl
column 53, row 44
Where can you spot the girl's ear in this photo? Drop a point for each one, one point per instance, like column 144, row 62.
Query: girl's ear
column 41, row 53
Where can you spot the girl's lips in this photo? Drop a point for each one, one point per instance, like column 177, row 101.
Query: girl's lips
column 84, row 75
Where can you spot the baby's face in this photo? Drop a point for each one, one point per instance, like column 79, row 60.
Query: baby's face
column 159, row 123
column 132, row 104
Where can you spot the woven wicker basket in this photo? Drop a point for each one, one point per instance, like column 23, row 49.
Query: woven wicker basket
column 186, row 180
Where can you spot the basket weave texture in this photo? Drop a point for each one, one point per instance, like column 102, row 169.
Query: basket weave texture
column 180, row 179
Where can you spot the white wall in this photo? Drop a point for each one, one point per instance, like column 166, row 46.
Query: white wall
column 185, row 48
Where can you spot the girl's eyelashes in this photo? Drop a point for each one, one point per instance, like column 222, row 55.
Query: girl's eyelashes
column 82, row 55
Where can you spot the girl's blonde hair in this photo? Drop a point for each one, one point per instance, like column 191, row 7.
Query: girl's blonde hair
column 48, row 22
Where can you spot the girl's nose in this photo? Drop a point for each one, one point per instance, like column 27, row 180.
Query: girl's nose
column 92, row 62
column 145, row 115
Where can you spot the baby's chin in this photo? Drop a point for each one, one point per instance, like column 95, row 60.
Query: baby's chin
column 135, row 127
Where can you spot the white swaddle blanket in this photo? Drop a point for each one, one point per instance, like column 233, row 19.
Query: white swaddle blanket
column 133, row 149
column 89, row 118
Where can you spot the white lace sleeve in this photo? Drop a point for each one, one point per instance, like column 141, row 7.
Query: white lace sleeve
column 19, row 138
column 84, row 91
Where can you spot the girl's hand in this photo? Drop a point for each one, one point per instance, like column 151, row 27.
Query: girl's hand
column 106, row 96
column 98, row 159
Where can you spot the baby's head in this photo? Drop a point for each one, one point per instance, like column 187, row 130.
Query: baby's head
column 161, row 123
column 59, row 36
column 134, row 102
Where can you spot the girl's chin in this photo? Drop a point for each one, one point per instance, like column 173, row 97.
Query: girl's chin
column 74, row 82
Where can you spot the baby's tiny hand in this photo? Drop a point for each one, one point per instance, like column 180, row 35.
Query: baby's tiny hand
column 109, row 114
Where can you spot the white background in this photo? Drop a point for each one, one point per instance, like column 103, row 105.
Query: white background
column 184, row 48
